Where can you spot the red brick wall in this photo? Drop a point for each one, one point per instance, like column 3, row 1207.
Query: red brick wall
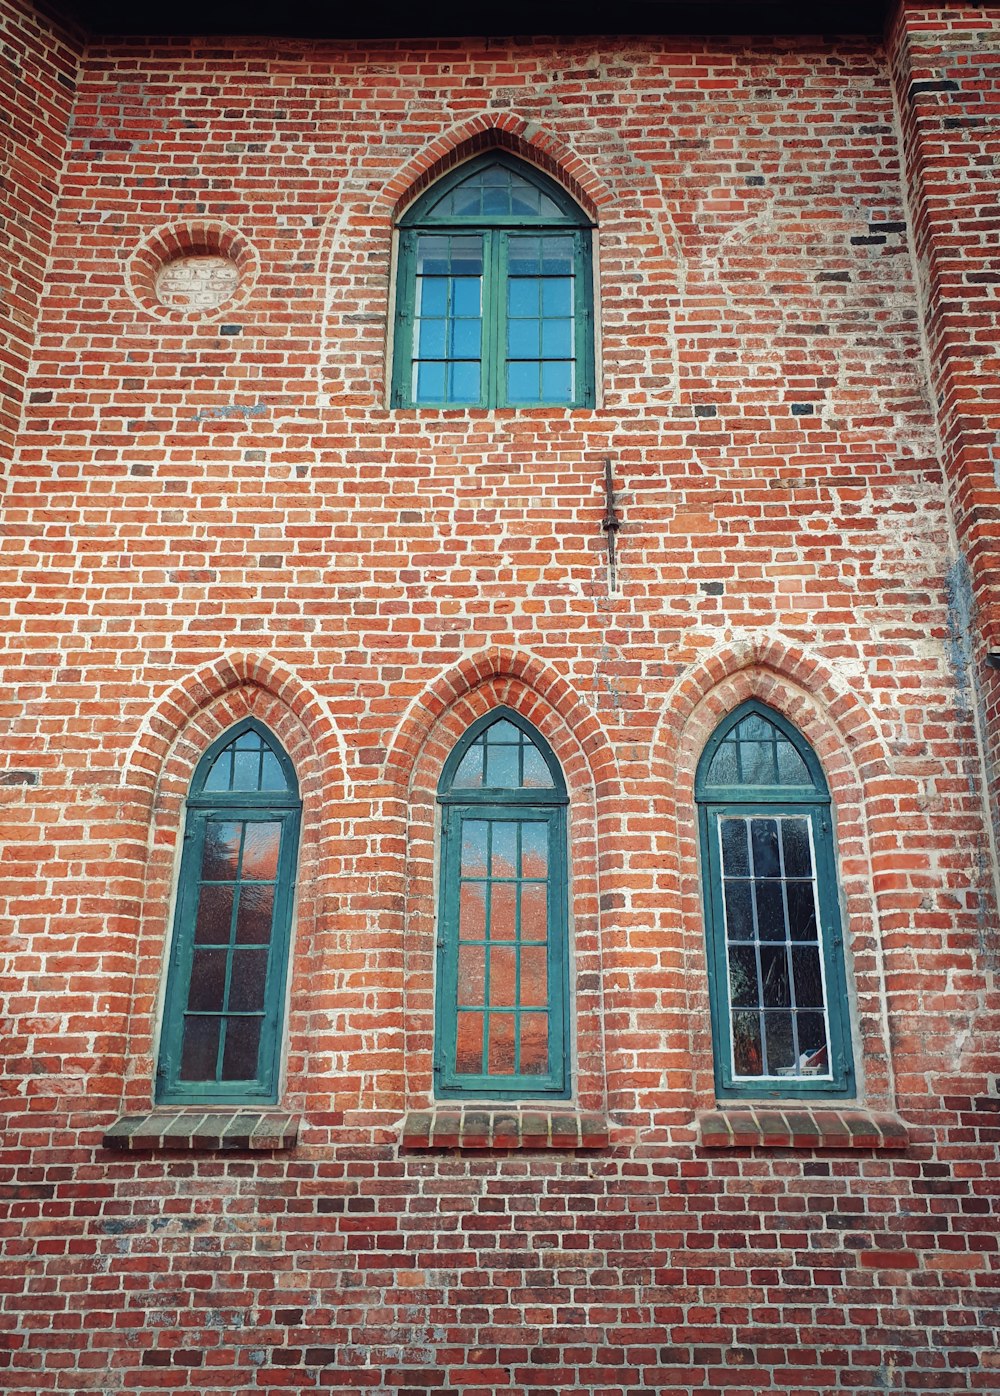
column 38, row 62
column 216, row 514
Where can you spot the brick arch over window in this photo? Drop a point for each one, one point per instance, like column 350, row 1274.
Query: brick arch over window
column 157, row 778
column 854, row 759
column 621, row 192
column 424, row 741
column 505, row 132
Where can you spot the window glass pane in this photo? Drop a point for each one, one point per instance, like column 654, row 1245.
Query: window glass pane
column 724, row 770
column 503, row 976
column 471, row 975
column 764, row 838
column 770, row 911
column 523, row 382
column 470, row 769
column 429, row 337
column 472, row 911
column 466, row 298
column 474, row 847
column 558, row 255
column 779, row 1041
column 557, row 382
column 557, row 339
column 247, row 980
column 739, row 911
column 534, row 984
column 254, row 914
column 735, row 852
column 775, row 990
column 802, row 911
column 744, row 988
column 523, row 339
column 433, row 255
column 465, row 344
column 523, row 298
column 469, row 1044
column 791, row 768
column 504, row 862
column 221, row 855
column 260, row 849
column 215, row 915
column 534, row 849
column 500, row 1060
column 536, row 772
column 534, row 921
column 432, row 302
column 428, row 382
column 808, row 977
column 272, row 776
column 208, row 981
column 221, row 774
column 200, row 1050
column 246, row 770
column 557, row 296
column 502, row 767
column 524, row 256
column 463, row 383
column 814, row 1054
column 795, row 847
column 534, row 1044
column 503, row 910
column 239, row 1058
column 748, row 1058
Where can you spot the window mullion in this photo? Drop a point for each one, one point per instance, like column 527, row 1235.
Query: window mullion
column 498, row 317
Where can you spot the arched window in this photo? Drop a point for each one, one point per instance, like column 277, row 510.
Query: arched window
column 221, row 1035
column 502, row 1010
column 494, row 298
column 781, row 1025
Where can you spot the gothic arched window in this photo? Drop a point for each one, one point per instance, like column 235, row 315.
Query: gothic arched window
column 494, row 292
column 781, row 1025
column 502, row 1021
column 221, row 1035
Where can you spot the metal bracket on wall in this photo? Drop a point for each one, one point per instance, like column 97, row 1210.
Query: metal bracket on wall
column 610, row 523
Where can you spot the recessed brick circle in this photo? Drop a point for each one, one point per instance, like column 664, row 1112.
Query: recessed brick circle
column 192, row 271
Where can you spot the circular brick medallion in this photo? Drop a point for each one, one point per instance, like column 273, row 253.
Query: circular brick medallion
column 192, row 271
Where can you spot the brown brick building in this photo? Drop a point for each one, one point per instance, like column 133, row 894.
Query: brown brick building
column 501, row 588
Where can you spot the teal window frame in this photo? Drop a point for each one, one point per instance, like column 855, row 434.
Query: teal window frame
column 497, row 232
column 202, row 808
column 813, row 804
column 525, row 806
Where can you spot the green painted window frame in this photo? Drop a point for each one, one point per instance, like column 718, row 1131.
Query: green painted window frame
column 814, row 805
column 202, row 807
column 496, row 230
column 529, row 806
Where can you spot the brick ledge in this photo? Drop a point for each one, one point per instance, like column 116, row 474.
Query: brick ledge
column 166, row 1129
column 483, row 1128
column 794, row 1127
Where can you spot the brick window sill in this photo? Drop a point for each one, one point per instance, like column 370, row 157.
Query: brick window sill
column 208, row 1131
column 798, row 1127
column 485, row 1128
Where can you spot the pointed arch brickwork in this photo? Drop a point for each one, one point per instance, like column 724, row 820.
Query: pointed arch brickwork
column 155, row 779
column 855, row 761
column 423, row 741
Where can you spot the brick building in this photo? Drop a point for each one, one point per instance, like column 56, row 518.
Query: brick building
column 501, row 583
